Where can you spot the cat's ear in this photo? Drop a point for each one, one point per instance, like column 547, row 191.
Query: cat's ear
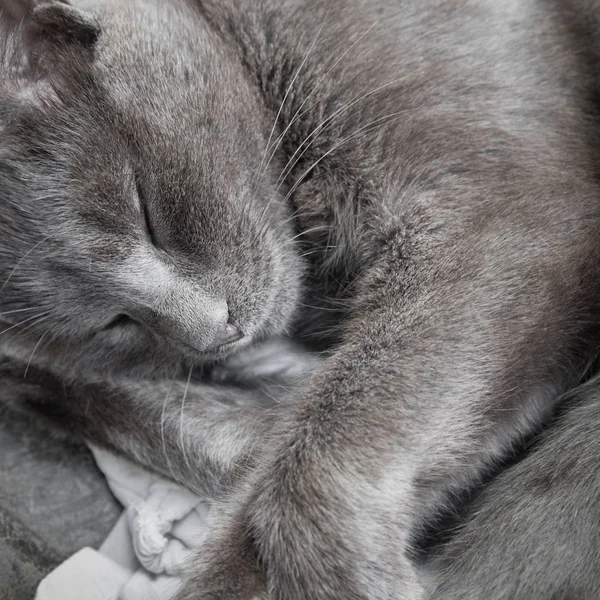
column 49, row 19
column 32, row 35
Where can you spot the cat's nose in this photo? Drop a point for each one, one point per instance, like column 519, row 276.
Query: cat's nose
column 208, row 328
column 227, row 335
column 202, row 326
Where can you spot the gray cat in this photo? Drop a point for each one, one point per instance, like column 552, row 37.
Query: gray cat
column 409, row 187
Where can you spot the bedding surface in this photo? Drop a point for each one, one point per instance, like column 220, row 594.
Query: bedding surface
column 53, row 502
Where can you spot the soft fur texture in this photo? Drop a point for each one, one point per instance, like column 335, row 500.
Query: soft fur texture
column 410, row 186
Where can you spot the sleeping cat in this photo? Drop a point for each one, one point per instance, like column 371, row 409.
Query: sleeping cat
column 408, row 187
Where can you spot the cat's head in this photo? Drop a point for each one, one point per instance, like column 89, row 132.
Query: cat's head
column 137, row 226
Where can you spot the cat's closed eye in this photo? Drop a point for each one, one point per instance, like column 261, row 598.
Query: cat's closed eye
column 144, row 209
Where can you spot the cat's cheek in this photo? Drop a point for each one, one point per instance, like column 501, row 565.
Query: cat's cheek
column 119, row 339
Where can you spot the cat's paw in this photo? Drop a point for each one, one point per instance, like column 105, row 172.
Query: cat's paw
column 227, row 567
column 278, row 360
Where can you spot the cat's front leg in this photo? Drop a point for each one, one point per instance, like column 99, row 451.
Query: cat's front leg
column 441, row 372
column 203, row 435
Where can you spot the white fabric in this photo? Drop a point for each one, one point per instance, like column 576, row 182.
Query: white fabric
column 144, row 555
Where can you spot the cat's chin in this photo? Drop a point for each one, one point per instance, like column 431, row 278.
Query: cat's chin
column 210, row 356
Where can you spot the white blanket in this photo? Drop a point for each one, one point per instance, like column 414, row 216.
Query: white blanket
column 144, row 555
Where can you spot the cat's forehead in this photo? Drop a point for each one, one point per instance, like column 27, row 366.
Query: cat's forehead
column 164, row 68
column 163, row 51
column 168, row 75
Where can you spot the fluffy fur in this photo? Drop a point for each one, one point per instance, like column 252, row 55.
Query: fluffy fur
column 425, row 209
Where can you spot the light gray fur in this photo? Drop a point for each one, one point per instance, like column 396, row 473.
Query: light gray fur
column 435, row 233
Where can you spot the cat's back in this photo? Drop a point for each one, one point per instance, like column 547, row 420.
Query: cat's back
column 402, row 91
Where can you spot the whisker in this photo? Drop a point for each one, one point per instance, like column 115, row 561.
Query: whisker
column 307, row 231
column 333, row 310
column 298, row 113
column 310, row 252
column 181, row 438
column 20, row 310
column 262, row 171
column 365, row 128
column 285, row 97
column 292, row 216
column 25, row 321
column 278, row 384
column 31, row 326
column 52, row 339
column 319, row 129
column 273, row 399
column 34, row 351
column 22, row 259
column 162, row 426
column 315, row 133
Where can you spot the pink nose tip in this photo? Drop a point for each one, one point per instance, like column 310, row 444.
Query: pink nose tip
column 228, row 335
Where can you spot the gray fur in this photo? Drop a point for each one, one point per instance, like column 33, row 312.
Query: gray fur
column 534, row 532
column 446, row 201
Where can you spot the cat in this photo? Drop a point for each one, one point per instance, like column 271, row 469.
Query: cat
column 407, row 188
